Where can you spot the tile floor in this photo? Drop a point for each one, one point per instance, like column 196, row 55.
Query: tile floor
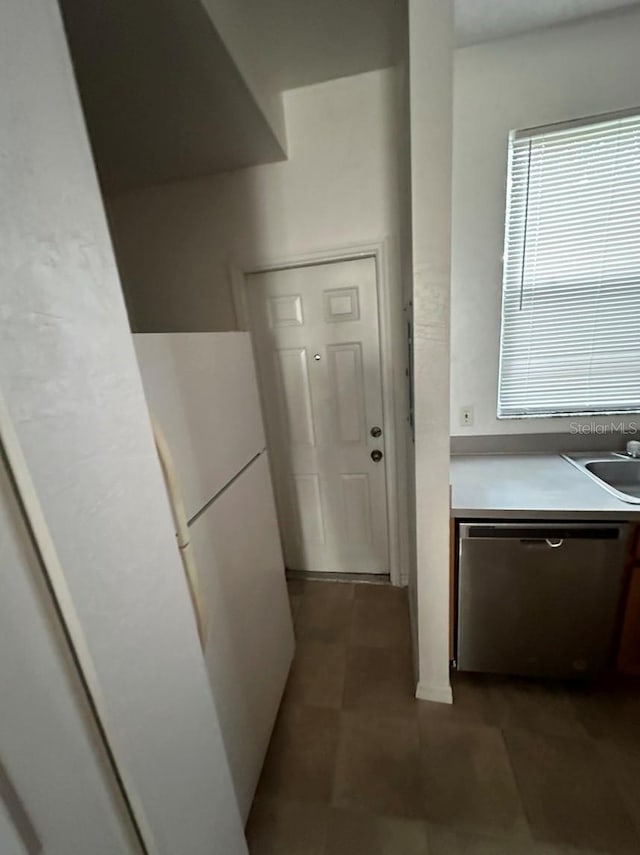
column 357, row 766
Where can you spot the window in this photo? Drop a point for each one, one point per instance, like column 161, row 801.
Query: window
column 570, row 338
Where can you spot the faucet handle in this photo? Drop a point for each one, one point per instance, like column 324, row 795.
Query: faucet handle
column 633, row 448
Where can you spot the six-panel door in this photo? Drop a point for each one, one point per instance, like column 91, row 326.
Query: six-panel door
column 316, row 339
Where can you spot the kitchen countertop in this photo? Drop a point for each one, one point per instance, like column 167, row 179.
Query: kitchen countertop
column 529, row 486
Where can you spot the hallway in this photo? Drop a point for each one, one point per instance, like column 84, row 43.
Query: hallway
column 357, row 766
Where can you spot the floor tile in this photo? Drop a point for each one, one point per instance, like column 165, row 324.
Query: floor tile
column 444, row 840
column 322, row 617
column 549, row 849
column 294, row 602
column 300, row 762
column 296, row 587
column 351, row 833
column 546, row 707
column 468, row 781
column 378, row 767
column 381, row 619
column 381, row 594
column 568, row 795
column 609, row 714
column 542, row 707
column 476, row 700
column 623, row 764
column 356, row 765
column 380, row 679
column 317, row 675
column 330, row 590
column 278, row 827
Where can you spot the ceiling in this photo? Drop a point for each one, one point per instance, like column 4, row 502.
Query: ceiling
column 484, row 20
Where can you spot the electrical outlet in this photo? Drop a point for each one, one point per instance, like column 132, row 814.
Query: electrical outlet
column 466, row 416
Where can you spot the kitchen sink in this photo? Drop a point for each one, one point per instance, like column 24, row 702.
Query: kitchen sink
column 614, row 472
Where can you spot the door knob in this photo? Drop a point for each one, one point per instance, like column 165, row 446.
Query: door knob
column 376, row 431
column 376, row 455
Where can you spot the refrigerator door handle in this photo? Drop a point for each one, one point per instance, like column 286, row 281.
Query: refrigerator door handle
column 181, row 525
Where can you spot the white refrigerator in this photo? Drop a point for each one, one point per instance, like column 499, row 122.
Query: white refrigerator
column 203, row 397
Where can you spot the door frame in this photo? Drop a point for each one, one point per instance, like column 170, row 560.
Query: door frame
column 392, row 365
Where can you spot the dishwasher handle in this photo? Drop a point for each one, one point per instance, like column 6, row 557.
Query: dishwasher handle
column 552, row 543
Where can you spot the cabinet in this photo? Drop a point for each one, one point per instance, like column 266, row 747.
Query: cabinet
column 629, row 650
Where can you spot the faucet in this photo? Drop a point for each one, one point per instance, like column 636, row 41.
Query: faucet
column 633, row 448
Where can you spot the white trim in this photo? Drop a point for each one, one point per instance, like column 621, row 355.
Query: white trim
column 439, row 694
column 415, row 642
column 392, row 360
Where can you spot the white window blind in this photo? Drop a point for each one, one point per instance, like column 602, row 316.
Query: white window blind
column 570, row 339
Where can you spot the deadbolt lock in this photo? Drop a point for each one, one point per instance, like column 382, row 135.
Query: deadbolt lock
column 376, row 431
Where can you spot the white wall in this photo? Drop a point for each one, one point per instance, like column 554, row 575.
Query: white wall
column 339, row 187
column 239, row 30
column 10, row 841
column 567, row 72
column 69, row 377
column 406, row 272
column 431, row 68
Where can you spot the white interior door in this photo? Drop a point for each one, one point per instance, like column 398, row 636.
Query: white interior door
column 316, row 338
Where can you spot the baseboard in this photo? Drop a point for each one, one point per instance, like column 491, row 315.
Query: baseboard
column 438, row 694
column 328, row 576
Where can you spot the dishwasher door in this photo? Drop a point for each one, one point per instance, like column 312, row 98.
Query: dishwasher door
column 538, row 599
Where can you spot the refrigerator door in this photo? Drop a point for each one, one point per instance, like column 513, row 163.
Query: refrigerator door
column 202, row 389
column 249, row 643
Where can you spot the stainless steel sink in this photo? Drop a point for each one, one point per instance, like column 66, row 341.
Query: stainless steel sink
column 614, row 472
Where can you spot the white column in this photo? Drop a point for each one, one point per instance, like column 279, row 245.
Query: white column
column 70, row 380
column 431, row 71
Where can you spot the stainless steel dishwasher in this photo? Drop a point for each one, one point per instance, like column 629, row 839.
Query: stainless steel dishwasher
column 538, row 599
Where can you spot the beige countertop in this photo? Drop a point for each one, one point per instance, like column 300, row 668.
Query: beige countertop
column 529, row 486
